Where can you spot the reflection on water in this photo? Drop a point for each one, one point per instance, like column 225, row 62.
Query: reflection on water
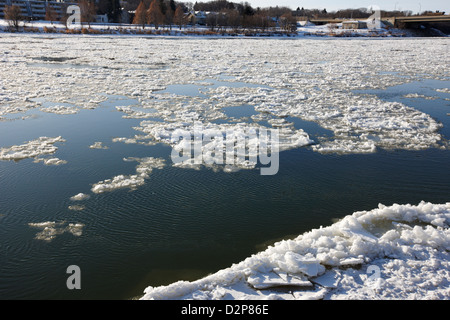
column 243, row 111
column 195, row 90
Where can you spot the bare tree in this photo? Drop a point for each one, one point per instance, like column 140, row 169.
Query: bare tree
column 88, row 11
column 262, row 21
column 234, row 20
column 13, row 15
column 288, row 22
column 211, row 20
column 168, row 17
column 50, row 14
column 222, row 20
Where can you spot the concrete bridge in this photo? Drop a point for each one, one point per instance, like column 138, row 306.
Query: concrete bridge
column 415, row 21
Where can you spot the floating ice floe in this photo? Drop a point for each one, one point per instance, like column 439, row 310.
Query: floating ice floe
column 76, row 208
column 124, row 140
column 60, row 110
column 416, row 95
column 365, row 123
column 51, row 229
column 98, row 145
column 51, row 161
column 143, row 171
column 391, row 252
column 7, row 110
column 32, row 149
column 227, row 146
column 79, row 197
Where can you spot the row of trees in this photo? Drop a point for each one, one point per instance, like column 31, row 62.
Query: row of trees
column 168, row 12
column 13, row 15
column 221, row 14
column 244, row 8
column 259, row 20
column 157, row 12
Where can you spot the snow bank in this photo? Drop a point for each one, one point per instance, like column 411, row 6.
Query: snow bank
column 391, row 252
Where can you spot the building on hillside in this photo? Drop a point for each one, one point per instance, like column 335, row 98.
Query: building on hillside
column 197, row 17
column 35, row 9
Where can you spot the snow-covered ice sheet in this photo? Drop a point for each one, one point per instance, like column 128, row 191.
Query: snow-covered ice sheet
column 391, row 252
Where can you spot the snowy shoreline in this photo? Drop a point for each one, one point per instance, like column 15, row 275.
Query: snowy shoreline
column 309, row 30
column 391, row 252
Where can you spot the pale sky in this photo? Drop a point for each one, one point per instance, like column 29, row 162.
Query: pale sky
column 330, row 5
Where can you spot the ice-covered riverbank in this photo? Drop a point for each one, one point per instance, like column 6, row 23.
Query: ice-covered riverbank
column 391, row 252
